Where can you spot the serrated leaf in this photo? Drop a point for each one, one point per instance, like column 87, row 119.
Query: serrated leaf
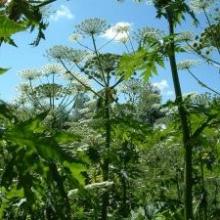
column 34, row 124
column 51, row 151
column 9, row 27
column 30, row 134
column 76, row 170
column 141, row 61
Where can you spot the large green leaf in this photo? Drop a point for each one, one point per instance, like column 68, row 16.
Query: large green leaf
column 76, row 170
column 32, row 134
column 65, row 137
column 51, row 151
column 9, row 27
column 142, row 62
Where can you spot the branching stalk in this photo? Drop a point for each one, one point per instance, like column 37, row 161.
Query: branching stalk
column 99, row 61
column 78, row 80
column 202, row 83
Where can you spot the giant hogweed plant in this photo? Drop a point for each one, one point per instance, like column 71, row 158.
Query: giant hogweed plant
column 97, row 67
column 103, row 116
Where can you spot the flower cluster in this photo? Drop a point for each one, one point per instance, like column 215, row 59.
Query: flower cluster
column 59, row 52
column 148, row 35
column 24, row 88
column 78, row 85
column 187, row 64
column 92, row 26
column 30, row 74
column 200, row 5
column 74, row 37
column 184, row 36
column 52, row 69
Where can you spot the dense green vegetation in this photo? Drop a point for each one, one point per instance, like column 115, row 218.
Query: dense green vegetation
column 89, row 136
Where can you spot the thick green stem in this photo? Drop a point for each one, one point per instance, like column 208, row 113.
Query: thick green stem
column 105, row 167
column 188, row 213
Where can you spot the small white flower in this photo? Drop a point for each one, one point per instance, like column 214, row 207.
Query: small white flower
column 74, row 37
column 122, row 27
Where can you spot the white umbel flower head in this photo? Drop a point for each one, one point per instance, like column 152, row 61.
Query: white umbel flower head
column 24, row 88
column 30, row 74
column 60, row 52
column 122, row 27
column 185, row 36
column 187, row 64
column 92, row 26
column 52, row 69
column 200, row 5
column 145, row 34
column 74, row 37
column 57, row 52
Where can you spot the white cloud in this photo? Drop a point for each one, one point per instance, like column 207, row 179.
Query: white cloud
column 62, row 12
column 164, row 88
column 119, row 31
column 161, row 85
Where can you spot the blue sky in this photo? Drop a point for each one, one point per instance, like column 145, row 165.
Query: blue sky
column 65, row 15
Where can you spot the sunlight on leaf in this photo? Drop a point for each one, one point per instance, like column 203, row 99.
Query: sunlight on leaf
column 142, row 62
